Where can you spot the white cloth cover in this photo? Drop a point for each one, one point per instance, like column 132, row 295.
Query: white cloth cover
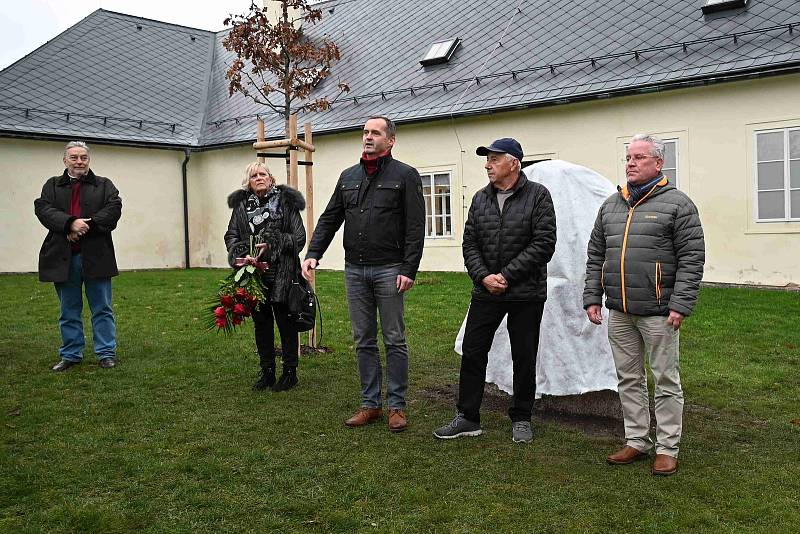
column 574, row 354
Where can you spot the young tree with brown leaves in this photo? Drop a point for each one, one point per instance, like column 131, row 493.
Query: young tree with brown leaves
column 279, row 58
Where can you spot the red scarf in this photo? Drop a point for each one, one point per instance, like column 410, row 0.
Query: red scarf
column 371, row 162
column 75, row 210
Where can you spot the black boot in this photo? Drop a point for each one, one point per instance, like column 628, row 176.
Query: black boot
column 266, row 380
column 288, row 379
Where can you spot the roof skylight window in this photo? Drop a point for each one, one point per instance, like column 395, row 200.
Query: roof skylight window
column 712, row 6
column 440, row 52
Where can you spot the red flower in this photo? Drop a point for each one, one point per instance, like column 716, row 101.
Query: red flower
column 237, row 320
column 240, row 292
column 239, row 309
column 226, row 300
column 219, row 312
column 221, row 322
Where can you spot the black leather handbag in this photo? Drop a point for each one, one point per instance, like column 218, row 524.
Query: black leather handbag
column 302, row 304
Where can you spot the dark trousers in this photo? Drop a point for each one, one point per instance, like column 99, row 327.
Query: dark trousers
column 265, row 334
column 483, row 319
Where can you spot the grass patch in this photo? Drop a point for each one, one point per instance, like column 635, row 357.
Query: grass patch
column 174, row 440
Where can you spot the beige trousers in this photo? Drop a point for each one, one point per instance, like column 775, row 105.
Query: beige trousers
column 632, row 338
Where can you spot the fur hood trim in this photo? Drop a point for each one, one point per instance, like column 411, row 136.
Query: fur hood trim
column 292, row 198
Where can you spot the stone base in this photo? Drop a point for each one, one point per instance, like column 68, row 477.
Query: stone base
column 603, row 403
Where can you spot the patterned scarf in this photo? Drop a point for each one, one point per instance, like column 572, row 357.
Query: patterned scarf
column 264, row 210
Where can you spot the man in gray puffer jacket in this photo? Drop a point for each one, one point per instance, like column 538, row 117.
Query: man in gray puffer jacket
column 646, row 253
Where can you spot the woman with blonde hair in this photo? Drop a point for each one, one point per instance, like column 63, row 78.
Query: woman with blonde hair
column 270, row 214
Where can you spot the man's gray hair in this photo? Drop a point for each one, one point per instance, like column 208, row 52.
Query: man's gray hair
column 658, row 144
column 391, row 129
column 74, row 144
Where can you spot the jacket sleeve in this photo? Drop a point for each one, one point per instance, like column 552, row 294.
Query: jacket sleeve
column 596, row 256
column 298, row 235
column 473, row 259
column 328, row 224
column 105, row 219
column 236, row 245
column 53, row 218
column 542, row 245
column 690, row 252
column 414, row 207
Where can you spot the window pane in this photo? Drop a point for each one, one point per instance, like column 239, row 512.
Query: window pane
column 441, row 179
column 795, row 204
column 794, row 144
column 670, row 155
column 428, row 205
column 770, row 175
column 769, row 146
column 771, row 205
column 794, row 174
column 449, row 223
column 428, row 226
column 670, row 173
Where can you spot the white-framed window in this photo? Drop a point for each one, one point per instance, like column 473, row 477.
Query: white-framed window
column 671, row 160
column 777, row 175
column 438, row 204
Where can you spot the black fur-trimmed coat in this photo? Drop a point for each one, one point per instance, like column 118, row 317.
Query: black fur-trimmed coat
column 292, row 237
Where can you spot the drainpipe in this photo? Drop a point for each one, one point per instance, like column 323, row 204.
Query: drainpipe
column 186, row 153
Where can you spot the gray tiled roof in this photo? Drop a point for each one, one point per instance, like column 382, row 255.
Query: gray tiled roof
column 158, row 74
column 109, row 75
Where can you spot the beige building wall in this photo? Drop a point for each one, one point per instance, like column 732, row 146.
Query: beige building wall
column 713, row 126
column 150, row 232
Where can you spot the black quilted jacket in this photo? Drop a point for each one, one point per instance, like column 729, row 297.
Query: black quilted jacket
column 517, row 243
column 647, row 258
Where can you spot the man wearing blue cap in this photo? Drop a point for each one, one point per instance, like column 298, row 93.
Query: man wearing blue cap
column 509, row 237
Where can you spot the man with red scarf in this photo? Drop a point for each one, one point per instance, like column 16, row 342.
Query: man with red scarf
column 380, row 202
column 80, row 210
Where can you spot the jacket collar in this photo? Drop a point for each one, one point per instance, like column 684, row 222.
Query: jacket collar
column 623, row 190
column 89, row 178
column 521, row 182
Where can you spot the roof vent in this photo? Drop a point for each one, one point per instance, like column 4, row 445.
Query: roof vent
column 712, row 6
column 440, row 52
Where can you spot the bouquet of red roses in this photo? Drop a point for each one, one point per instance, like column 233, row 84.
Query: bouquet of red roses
column 238, row 295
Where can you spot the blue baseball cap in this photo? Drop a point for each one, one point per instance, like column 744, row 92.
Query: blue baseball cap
column 506, row 145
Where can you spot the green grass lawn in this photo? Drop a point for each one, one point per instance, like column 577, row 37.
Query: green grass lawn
column 174, row 439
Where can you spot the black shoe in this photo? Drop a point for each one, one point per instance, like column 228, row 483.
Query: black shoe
column 288, row 379
column 63, row 365
column 266, row 380
column 108, row 363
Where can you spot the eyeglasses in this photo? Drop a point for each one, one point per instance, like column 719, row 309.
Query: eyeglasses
column 639, row 158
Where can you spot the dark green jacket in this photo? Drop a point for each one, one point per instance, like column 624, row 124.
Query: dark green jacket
column 100, row 201
column 647, row 258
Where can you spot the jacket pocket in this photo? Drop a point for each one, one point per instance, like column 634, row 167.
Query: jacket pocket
column 350, row 195
column 603, row 276
column 387, row 195
column 658, row 282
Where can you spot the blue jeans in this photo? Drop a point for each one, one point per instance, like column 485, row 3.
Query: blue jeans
column 372, row 290
column 104, row 329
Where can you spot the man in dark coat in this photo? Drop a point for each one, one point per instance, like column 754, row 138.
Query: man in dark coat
column 80, row 210
column 646, row 254
column 380, row 202
column 509, row 237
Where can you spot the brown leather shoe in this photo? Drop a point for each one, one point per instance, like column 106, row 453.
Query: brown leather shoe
column 665, row 465
column 397, row 420
column 626, row 455
column 364, row 416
